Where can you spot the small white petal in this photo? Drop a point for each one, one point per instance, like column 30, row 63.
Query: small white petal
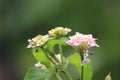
column 38, row 64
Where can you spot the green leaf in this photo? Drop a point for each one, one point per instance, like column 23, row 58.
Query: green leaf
column 65, row 39
column 38, row 74
column 87, row 71
column 52, row 43
column 41, row 57
column 73, row 72
column 75, row 59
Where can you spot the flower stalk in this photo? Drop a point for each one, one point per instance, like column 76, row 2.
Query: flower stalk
column 67, row 75
column 58, row 77
column 61, row 52
column 82, row 67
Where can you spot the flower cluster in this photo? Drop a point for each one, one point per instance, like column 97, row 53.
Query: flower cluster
column 37, row 41
column 59, row 31
column 80, row 40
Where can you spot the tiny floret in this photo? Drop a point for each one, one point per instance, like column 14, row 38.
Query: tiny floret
column 85, row 61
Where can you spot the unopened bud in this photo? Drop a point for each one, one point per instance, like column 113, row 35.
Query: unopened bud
column 108, row 77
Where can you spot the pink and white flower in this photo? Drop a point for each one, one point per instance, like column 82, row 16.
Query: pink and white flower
column 79, row 40
column 82, row 42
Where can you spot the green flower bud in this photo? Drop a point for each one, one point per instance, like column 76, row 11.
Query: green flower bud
column 108, row 77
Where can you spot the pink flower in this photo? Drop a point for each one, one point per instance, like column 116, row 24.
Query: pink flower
column 85, row 61
column 79, row 40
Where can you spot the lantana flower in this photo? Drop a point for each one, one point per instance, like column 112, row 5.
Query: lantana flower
column 82, row 41
column 58, row 31
column 37, row 41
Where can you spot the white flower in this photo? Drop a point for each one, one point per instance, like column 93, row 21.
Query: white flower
column 40, row 65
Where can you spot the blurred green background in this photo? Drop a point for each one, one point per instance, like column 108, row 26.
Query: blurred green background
column 24, row 19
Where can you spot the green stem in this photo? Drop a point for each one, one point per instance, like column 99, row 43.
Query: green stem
column 48, row 57
column 82, row 72
column 82, row 67
column 58, row 76
column 66, row 73
column 68, row 76
column 61, row 52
